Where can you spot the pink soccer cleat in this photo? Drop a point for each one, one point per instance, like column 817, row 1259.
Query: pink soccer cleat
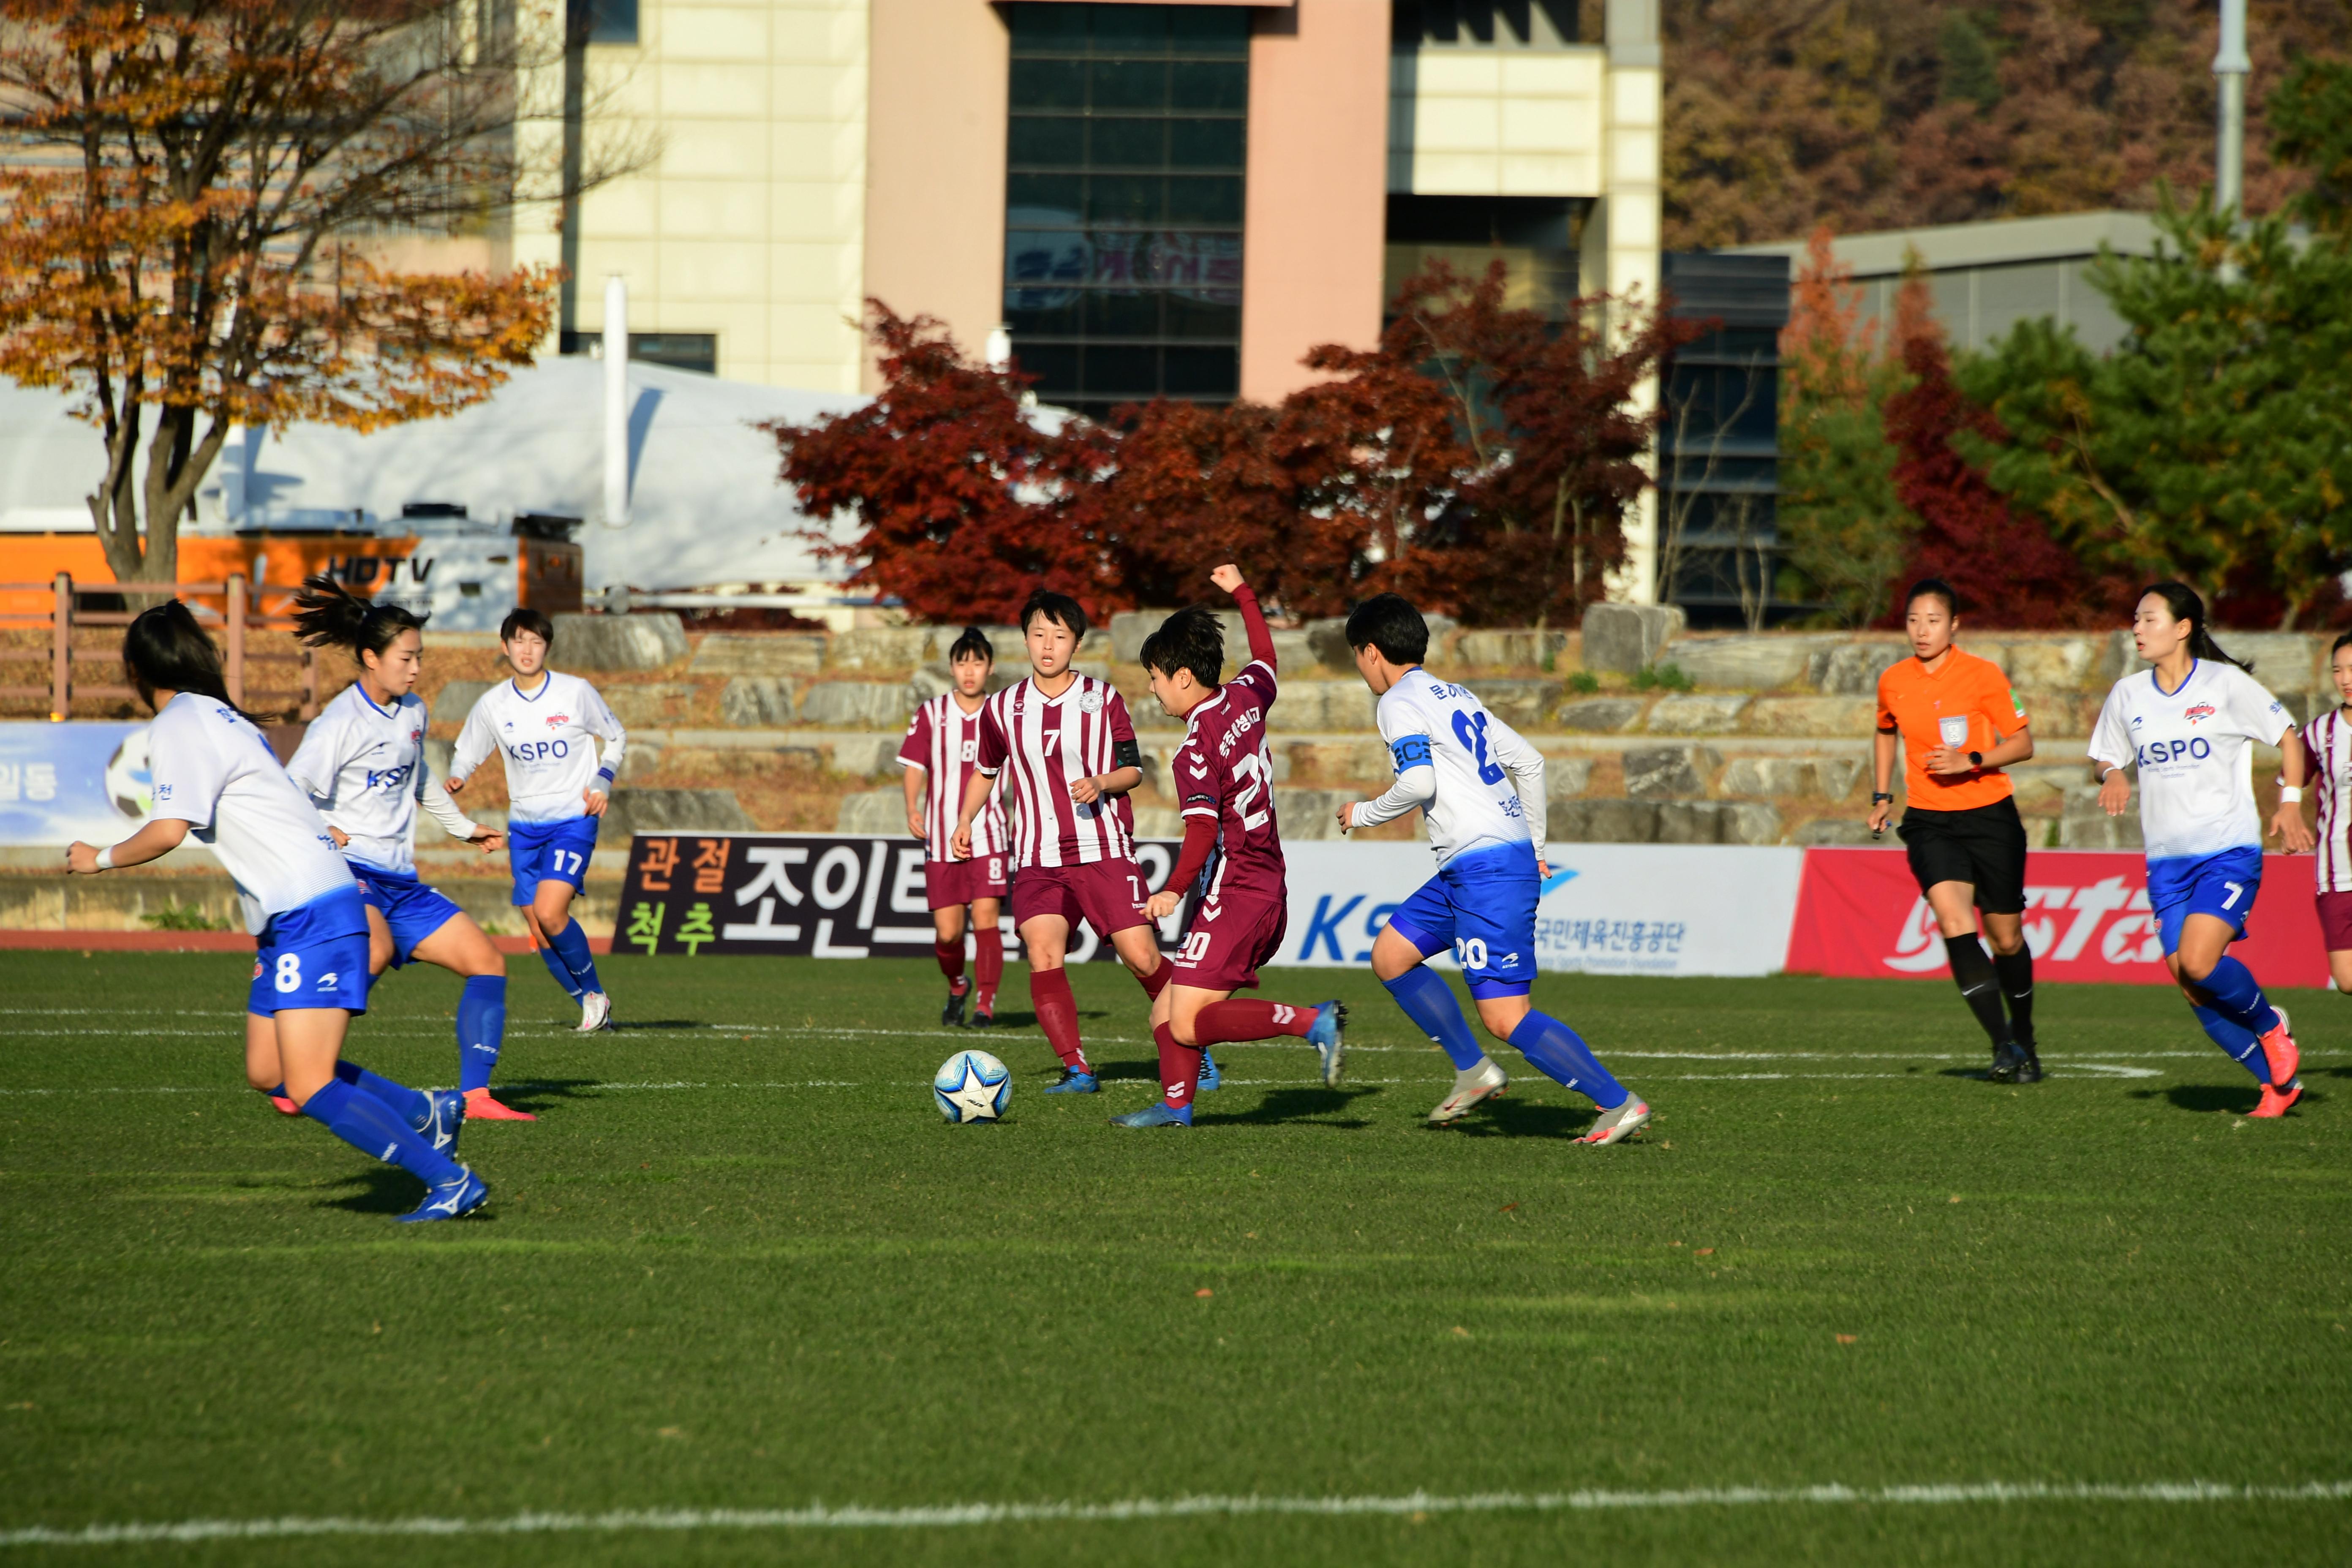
column 481, row 1107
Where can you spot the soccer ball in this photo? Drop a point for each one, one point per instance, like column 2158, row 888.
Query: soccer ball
column 972, row 1086
column 130, row 786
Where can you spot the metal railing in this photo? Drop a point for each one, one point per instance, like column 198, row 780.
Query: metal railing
column 240, row 613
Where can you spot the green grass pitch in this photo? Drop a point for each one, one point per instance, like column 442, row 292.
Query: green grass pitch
column 741, row 1264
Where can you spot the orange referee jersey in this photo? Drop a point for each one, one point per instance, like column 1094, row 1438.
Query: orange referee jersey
column 1967, row 706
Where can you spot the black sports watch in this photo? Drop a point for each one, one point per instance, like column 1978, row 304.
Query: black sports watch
column 1975, row 759
column 1881, row 796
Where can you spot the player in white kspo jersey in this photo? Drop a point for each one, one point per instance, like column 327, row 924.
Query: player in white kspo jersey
column 363, row 763
column 1481, row 789
column 544, row 725
column 216, row 780
column 941, row 755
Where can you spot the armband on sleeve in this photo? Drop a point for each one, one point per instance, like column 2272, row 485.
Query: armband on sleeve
column 1411, row 752
column 1127, row 754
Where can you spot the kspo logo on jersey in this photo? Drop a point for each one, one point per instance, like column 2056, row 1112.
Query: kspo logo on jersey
column 2109, row 920
column 539, row 750
column 390, row 779
column 2155, row 753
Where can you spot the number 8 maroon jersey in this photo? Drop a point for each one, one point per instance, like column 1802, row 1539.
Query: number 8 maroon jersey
column 1224, row 771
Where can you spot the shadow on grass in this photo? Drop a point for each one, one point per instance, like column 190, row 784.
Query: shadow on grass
column 384, row 1189
column 535, row 1095
column 623, row 1026
column 1314, row 1105
column 1506, row 1118
column 1008, row 1021
column 2205, row 1099
column 1982, row 1074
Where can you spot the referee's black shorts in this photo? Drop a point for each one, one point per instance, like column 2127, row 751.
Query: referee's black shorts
column 1984, row 845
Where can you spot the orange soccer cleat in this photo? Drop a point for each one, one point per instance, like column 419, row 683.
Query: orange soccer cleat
column 2281, row 1055
column 481, row 1107
column 284, row 1106
column 2277, row 1101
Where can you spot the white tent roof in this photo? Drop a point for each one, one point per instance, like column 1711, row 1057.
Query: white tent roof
column 704, row 504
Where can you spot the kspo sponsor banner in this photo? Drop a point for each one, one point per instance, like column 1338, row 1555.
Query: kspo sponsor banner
column 831, row 895
column 63, row 782
column 2086, row 918
column 1607, row 909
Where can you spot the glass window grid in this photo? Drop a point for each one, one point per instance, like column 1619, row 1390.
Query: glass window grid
column 1126, row 150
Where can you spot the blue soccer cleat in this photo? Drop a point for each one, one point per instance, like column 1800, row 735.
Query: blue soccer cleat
column 1328, row 1036
column 1158, row 1114
column 445, row 1118
column 1209, row 1078
column 450, row 1199
column 1073, row 1081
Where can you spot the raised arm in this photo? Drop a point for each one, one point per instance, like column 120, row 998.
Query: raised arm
column 1261, row 640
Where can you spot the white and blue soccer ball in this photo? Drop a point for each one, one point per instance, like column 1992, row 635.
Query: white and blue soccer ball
column 130, row 782
column 972, row 1086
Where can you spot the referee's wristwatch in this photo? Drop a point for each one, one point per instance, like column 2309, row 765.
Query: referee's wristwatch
column 1976, row 760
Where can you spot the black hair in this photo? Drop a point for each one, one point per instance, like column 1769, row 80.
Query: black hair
column 1933, row 588
column 2183, row 601
column 165, row 649
column 973, row 644
column 1390, row 623
column 2338, row 646
column 1192, row 639
column 328, row 614
column 523, row 618
column 1054, row 607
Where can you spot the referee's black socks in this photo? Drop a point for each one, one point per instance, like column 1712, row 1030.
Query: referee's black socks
column 1979, row 988
column 2016, row 971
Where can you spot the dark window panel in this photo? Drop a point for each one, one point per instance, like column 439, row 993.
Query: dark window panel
column 1209, row 84
column 1193, row 315
column 1122, row 313
column 1121, row 29
column 1128, row 144
column 1037, row 24
column 1048, row 84
column 1206, row 144
column 680, row 350
column 1037, row 138
column 1120, row 369
column 1046, row 259
column 1205, row 198
column 1208, row 29
column 1202, row 372
column 1059, row 315
column 1130, row 85
column 1034, row 195
column 1056, row 368
column 1125, row 198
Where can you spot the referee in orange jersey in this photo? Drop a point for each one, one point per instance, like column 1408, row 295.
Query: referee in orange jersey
column 1960, row 726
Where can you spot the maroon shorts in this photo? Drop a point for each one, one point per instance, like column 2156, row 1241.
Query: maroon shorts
column 2336, row 920
column 952, row 884
column 1230, row 939
column 1107, row 895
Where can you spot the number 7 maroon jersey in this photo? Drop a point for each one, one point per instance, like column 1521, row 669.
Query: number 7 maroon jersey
column 1047, row 742
column 1223, row 771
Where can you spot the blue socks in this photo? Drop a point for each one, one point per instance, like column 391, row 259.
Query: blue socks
column 2240, row 1043
column 1560, row 1054
column 374, row 1129
column 2238, row 997
column 411, row 1105
column 481, row 1029
column 568, row 947
column 1429, row 1002
column 557, row 967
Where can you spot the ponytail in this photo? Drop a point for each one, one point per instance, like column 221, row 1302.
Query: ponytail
column 2183, row 601
column 165, row 650
column 973, row 644
column 327, row 614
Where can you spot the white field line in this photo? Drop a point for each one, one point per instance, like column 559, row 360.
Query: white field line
column 953, row 1515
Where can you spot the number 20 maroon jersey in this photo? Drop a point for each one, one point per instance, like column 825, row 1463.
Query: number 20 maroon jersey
column 1224, row 770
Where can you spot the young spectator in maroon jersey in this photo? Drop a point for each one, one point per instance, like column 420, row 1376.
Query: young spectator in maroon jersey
column 942, row 751
column 1067, row 744
column 1233, row 848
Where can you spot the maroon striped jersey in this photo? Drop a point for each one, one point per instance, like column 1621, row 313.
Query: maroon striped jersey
column 2329, row 740
column 1043, row 744
column 1223, row 771
column 944, row 742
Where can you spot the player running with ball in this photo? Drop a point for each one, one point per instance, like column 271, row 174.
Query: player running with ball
column 2187, row 724
column 1225, row 777
column 216, row 778
column 1482, row 789
column 557, row 789
column 1072, row 750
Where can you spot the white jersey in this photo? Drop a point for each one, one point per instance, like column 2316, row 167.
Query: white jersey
column 363, row 768
column 213, row 769
column 1479, row 782
column 2194, row 748
column 544, row 736
column 2329, row 740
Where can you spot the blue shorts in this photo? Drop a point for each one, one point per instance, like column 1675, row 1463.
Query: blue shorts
column 412, row 911
column 2221, row 885
column 315, row 956
column 1481, row 903
column 550, row 852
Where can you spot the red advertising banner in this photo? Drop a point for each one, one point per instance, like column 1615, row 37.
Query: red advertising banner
column 1859, row 914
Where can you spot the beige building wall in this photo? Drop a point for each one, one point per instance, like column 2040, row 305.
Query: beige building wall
column 935, row 165
column 751, row 222
column 1315, row 209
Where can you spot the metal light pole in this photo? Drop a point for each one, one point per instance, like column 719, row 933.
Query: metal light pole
column 616, row 402
column 2230, row 68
